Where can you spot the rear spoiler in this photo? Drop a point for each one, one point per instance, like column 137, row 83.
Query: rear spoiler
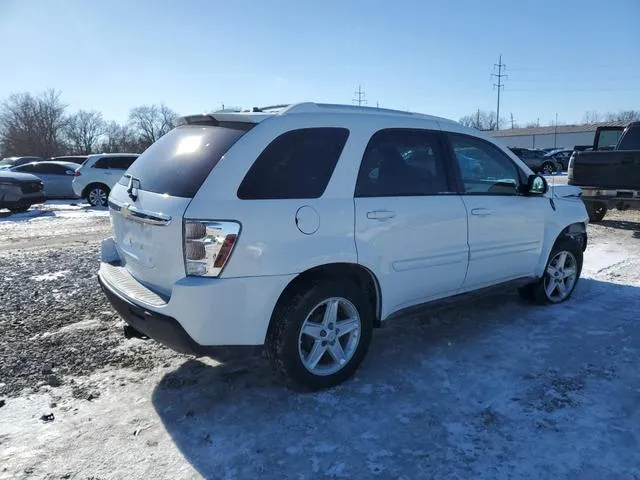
column 236, row 121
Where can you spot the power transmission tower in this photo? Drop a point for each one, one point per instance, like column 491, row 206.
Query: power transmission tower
column 358, row 98
column 500, row 85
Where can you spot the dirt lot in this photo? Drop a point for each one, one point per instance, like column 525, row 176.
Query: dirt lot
column 493, row 389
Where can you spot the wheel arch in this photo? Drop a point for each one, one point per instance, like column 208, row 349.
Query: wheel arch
column 361, row 275
column 576, row 231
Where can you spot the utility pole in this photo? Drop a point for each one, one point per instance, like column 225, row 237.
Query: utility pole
column 555, row 132
column 501, row 67
column 511, row 120
column 358, row 98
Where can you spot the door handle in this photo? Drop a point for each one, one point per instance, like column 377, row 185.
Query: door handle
column 480, row 212
column 381, row 215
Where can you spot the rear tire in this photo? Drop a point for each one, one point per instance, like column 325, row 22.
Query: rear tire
column 561, row 274
column 97, row 195
column 596, row 211
column 304, row 343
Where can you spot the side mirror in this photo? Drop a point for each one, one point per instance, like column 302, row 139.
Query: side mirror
column 537, row 185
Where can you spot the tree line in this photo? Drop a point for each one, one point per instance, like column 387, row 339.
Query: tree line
column 482, row 120
column 40, row 124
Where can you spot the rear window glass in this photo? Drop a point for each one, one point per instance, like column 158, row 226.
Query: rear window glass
column 297, row 164
column 181, row 160
column 631, row 141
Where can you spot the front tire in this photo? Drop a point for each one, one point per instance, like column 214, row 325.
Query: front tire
column 560, row 277
column 320, row 334
column 548, row 168
column 97, row 195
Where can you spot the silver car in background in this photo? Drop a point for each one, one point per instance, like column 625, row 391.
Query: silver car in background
column 56, row 177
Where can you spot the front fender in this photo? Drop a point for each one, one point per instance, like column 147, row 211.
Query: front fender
column 568, row 216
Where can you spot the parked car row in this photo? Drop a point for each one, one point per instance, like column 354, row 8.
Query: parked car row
column 538, row 160
column 90, row 177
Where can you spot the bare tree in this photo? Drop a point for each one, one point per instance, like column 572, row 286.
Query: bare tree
column 32, row 125
column 83, row 130
column 531, row 125
column 591, row 117
column 118, row 139
column 480, row 120
column 626, row 116
column 150, row 122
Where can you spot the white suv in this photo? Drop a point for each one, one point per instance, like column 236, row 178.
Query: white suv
column 97, row 175
column 303, row 228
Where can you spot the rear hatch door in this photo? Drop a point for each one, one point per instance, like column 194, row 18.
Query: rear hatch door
column 147, row 205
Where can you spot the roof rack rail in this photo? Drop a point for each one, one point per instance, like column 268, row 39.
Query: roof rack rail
column 310, row 107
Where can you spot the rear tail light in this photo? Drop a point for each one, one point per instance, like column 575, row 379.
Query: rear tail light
column 207, row 246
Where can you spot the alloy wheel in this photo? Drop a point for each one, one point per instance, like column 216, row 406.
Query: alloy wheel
column 561, row 276
column 97, row 197
column 329, row 336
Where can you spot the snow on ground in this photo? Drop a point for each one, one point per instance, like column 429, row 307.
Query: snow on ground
column 490, row 389
column 54, row 223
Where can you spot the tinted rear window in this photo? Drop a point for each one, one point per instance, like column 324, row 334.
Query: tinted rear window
column 631, row 141
column 121, row 163
column 181, row 160
column 297, row 164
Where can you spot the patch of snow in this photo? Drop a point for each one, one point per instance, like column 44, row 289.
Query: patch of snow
column 50, row 276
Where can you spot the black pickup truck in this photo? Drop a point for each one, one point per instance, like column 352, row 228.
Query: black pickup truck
column 609, row 176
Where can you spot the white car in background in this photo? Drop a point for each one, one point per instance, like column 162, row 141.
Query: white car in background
column 95, row 178
column 300, row 230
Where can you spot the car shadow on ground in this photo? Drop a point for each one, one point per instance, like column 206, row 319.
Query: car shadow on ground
column 423, row 374
column 29, row 214
column 623, row 225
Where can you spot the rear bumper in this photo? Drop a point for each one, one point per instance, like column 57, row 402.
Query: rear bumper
column 612, row 197
column 168, row 331
column 77, row 187
column 22, row 201
column 203, row 316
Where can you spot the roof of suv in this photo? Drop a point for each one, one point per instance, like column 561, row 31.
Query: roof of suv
column 94, row 155
column 258, row 114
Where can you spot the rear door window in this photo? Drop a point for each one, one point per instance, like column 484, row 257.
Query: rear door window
column 403, row 162
column 297, row 164
column 120, row 163
column 180, row 161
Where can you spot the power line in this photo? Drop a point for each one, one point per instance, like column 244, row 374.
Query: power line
column 358, row 98
column 499, row 86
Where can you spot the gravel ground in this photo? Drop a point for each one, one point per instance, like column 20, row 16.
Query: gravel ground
column 493, row 389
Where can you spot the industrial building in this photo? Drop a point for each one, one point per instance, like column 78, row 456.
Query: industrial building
column 555, row 136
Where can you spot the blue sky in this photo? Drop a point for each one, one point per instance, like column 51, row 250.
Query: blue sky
column 429, row 56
